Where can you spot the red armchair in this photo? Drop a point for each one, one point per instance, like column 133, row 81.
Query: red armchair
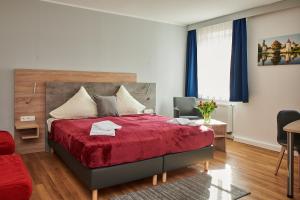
column 7, row 144
column 15, row 181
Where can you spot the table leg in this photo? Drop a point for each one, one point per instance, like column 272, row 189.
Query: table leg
column 290, row 147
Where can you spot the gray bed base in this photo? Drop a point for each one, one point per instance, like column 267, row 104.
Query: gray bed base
column 185, row 159
column 98, row 178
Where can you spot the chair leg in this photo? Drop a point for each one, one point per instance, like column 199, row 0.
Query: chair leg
column 283, row 148
column 299, row 168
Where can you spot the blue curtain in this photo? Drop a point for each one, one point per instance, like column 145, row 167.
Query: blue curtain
column 191, row 85
column 238, row 70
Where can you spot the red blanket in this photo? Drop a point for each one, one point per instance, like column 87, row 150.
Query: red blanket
column 141, row 137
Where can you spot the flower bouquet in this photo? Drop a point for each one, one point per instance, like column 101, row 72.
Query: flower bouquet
column 206, row 108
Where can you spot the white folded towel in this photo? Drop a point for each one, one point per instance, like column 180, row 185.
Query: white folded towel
column 181, row 121
column 104, row 128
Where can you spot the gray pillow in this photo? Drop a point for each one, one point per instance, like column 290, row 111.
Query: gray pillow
column 106, row 105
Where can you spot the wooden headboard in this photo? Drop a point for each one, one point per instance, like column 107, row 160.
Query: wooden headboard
column 25, row 103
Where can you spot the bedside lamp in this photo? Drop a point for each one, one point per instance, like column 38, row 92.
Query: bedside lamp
column 33, row 93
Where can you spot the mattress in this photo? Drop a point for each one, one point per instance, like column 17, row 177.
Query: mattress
column 49, row 123
column 141, row 137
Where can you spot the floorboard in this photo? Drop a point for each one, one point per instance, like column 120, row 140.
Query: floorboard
column 245, row 166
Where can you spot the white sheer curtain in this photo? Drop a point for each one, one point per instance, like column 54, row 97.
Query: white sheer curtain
column 214, row 54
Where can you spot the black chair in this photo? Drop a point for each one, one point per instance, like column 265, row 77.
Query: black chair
column 283, row 118
column 185, row 107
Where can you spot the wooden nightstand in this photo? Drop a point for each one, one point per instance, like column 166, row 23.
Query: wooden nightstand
column 220, row 132
column 28, row 128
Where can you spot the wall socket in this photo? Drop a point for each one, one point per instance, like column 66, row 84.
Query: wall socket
column 28, row 118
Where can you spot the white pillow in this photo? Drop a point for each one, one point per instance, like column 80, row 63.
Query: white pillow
column 81, row 105
column 126, row 104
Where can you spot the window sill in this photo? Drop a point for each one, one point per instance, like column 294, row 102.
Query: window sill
column 220, row 102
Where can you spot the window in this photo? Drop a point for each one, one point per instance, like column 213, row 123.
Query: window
column 214, row 54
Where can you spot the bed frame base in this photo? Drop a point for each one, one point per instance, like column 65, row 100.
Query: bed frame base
column 165, row 175
column 184, row 159
column 98, row 178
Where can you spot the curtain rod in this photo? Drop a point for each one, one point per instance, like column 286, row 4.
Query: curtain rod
column 274, row 7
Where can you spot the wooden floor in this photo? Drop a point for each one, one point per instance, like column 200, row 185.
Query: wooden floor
column 245, row 166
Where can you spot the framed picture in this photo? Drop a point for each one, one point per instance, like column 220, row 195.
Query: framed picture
column 282, row 50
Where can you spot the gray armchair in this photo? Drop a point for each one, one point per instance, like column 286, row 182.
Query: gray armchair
column 185, row 107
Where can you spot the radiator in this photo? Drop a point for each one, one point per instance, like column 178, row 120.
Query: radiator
column 224, row 113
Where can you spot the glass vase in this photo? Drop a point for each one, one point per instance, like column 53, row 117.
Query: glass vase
column 206, row 118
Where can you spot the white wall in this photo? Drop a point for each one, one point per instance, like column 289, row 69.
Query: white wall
column 42, row 35
column 271, row 88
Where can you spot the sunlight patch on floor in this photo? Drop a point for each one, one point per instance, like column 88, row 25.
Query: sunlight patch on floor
column 221, row 178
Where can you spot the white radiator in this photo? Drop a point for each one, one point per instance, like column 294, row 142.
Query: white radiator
column 224, row 113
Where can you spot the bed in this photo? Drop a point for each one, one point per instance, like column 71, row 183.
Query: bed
column 145, row 146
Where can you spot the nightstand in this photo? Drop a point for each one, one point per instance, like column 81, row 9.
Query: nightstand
column 219, row 130
column 30, row 129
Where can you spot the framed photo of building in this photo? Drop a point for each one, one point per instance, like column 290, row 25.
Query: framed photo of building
column 282, row 50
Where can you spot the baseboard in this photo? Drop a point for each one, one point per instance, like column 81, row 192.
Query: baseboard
column 265, row 145
column 229, row 136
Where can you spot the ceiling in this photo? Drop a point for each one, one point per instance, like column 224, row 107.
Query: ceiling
column 180, row 12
